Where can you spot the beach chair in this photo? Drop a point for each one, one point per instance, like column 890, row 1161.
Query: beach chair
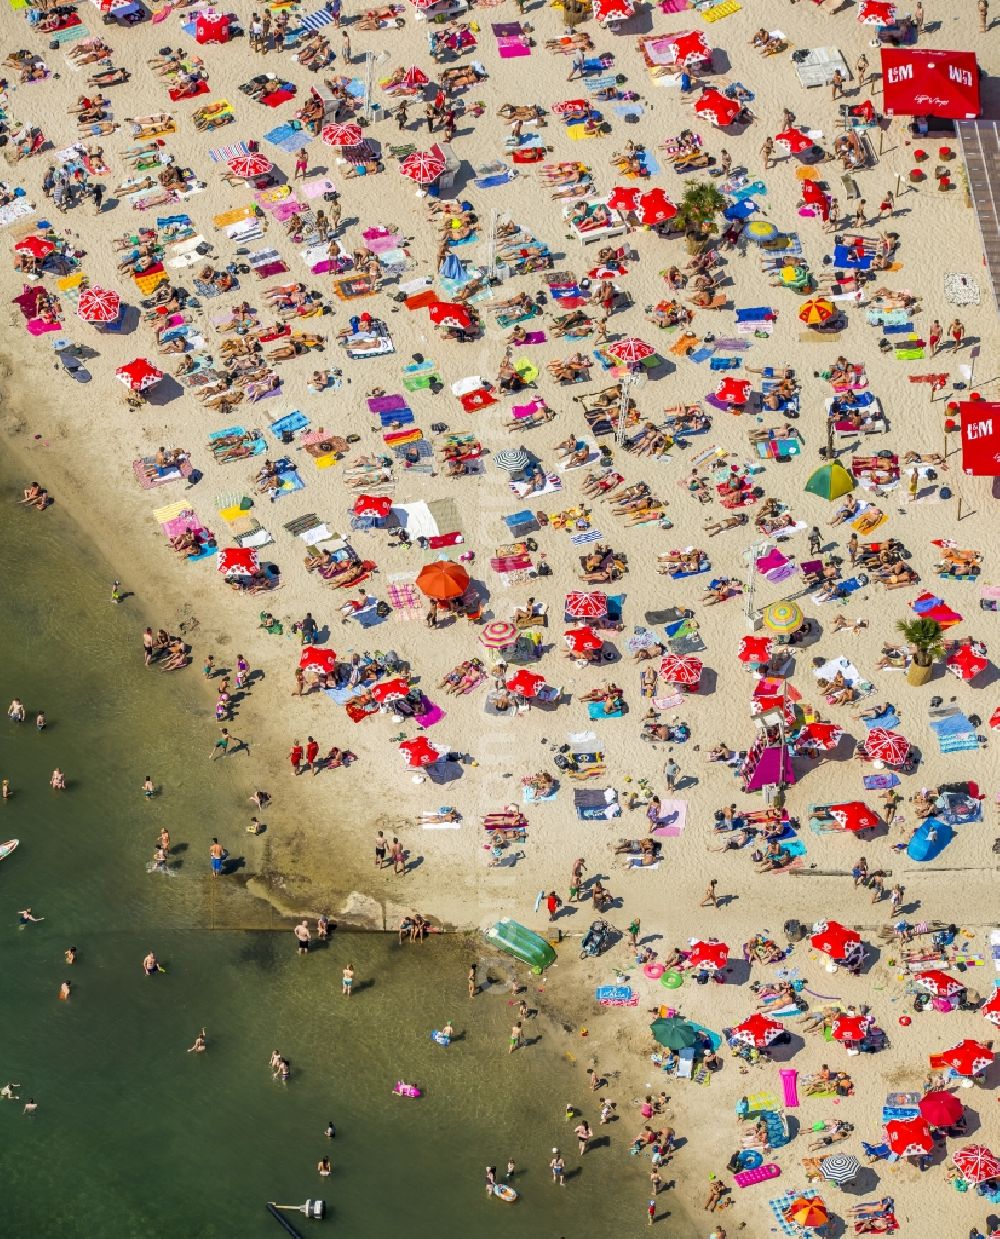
column 685, row 1063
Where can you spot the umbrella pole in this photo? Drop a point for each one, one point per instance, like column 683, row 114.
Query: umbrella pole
column 623, row 402
column 491, row 242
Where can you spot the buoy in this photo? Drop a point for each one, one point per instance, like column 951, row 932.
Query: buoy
column 671, row 980
column 905, row 1021
column 653, row 971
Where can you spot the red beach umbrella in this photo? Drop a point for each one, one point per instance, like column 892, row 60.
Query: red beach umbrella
column 423, row 4
column 239, row 559
column 612, row 10
column 966, row 663
column 415, row 76
column 397, row 687
column 876, row 13
column 99, row 305
column 834, row 939
column 419, row 752
column 968, row 1057
column 443, row 580
column 854, row 816
column 564, row 106
column 655, row 207
column 631, row 349
column 581, row 605
column 714, row 106
column 812, row 192
column 37, row 247
column 938, row 983
column 347, row 134
column 991, row 1008
column 754, row 649
column 709, row 956
column 583, row 640
column 450, row 314
column 849, row 1028
column 826, row 735
column 422, row 167
column 681, row 669
column 758, row 1030
column 794, row 140
column 318, row 658
column 734, row 391
column 622, row 198
column 374, row 505
column 139, row 375
column 886, row 746
column 909, row 1137
column 976, row 1163
column 249, row 166
column 526, row 683
column 690, row 47
column 940, row 1109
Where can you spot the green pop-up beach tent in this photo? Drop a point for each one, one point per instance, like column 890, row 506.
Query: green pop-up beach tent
column 830, row 481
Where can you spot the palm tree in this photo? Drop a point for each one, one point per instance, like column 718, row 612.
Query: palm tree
column 698, row 208
column 924, row 639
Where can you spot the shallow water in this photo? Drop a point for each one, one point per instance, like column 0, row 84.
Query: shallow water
column 134, row 1136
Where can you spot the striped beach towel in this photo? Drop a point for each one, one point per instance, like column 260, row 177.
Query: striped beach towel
column 223, row 154
column 315, row 21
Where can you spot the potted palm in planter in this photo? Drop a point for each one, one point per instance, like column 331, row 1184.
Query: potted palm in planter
column 696, row 213
column 924, row 639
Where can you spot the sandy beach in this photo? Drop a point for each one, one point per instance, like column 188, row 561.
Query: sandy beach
column 80, row 442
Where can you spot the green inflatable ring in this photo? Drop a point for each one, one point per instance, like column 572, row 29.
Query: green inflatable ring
column 671, row 980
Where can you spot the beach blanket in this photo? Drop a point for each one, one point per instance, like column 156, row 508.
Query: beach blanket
column 672, row 819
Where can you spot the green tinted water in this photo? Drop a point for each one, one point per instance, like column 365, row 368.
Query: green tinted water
column 134, row 1136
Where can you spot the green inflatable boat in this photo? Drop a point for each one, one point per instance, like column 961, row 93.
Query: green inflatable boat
column 524, row 944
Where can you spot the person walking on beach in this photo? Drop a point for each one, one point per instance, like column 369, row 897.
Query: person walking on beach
column 766, row 151
column 312, row 752
column 553, row 903
column 347, row 980
column 576, row 878
column 216, row 855
column 583, row 1135
column 633, row 932
column 302, row 937
column 221, row 746
column 471, row 979
column 935, row 333
column 301, row 165
column 836, row 84
column 397, row 856
column 515, row 1041
column 984, row 16
column 711, row 899
column 558, row 1167
column 380, row 849
column 295, row 756
column 670, row 772
column 957, row 332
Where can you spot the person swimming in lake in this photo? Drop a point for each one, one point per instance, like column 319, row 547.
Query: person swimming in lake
column 200, row 1045
column 57, row 780
column 65, row 990
column 16, row 711
column 150, row 965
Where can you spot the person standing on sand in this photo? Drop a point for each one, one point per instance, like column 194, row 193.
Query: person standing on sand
column 711, row 899
column 471, row 978
column 515, row 1041
column 216, row 855
column 670, row 772
column 380, row 849
column 312, row 752
column 295, row 756
column 935, row 333
column 397, row 856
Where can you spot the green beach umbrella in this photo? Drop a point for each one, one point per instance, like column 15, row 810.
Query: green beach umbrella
column 672, row 1033
column 830, row 481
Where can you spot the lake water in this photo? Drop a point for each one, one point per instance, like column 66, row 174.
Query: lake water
column 134, row 1136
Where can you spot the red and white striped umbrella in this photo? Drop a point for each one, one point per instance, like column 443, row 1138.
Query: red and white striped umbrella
column 758, row 1030
column 415, row 76
column 139, row 375
column 794, row 140
column 238, row 559
column 886, row 746
column 99, row 305
column 876, row 13
column 967, row 1058
column 623, row 198
column 754, row 649
column 341, row 135
column 966, row 662
column 681, row 669
column 708, row 956
column 834, row 939
column 422, row 167
column 498, row 635
column 526, row 683
column 934, row 981
column 250, row 165
column 586, row 605
column 976, row 1163
column 714, row 106
column 655, row 207
column 318, row 658
column 991, row 1008
column 631, row 349
column 909, row 1137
